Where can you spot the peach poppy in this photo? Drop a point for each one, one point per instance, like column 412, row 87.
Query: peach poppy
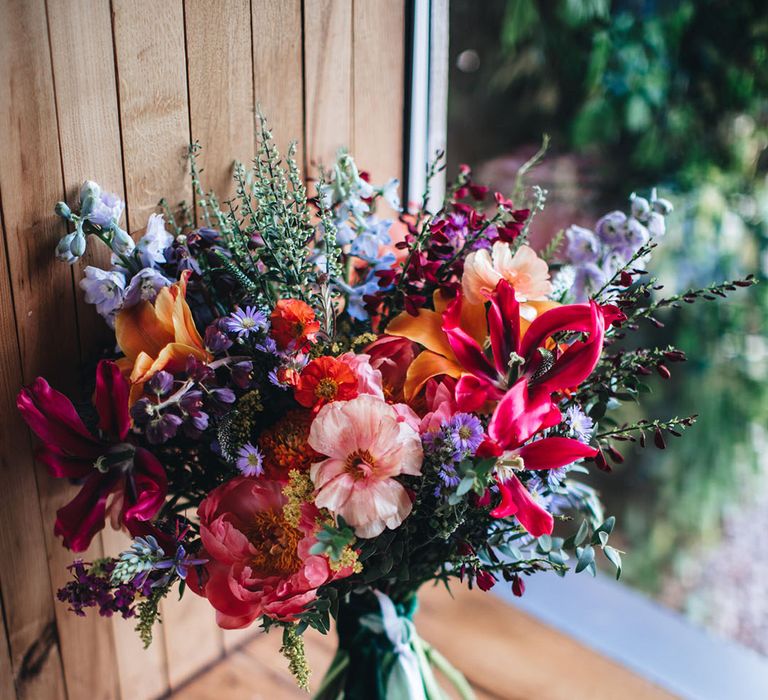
column 367, row 445
column 158, row 336
column 524, row 270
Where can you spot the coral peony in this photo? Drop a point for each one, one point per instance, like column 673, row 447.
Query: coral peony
column 294, row 325
column 258, row 563
column 367, row 444
column 525, row 271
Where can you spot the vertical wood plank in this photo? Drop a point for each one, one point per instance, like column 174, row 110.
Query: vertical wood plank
column 29, row 606
column 378, row 91
column 154, row 114
column 154, row 117
column 221, row 105
column 84, row 73
column 7, row 691
column 30, row 182
column 329, row 110
column 278, row 69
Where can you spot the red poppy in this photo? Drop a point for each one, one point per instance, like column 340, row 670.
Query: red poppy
column 323, row 380
column 294, row 325
column 108, row 465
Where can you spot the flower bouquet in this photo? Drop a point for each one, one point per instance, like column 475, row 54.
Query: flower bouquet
column 314, row 411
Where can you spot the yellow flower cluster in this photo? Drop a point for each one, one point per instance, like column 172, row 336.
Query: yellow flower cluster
column 297, row 491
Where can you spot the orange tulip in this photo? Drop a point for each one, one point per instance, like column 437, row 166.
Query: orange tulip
column 159, row 336
column 426, row 329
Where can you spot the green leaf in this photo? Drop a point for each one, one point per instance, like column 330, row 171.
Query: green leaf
column 614, row 557
column 466, row 485
column 582, row 533
column 586, row 557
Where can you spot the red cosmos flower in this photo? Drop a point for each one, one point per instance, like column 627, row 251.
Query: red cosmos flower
column 323, row 380
column 109, row 465
column 294, row 325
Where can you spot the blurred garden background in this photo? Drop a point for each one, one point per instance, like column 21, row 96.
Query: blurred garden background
column 638, row 94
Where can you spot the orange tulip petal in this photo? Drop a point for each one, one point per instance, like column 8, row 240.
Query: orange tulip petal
column 424, row 367
column 425, row 329
column 138, row 330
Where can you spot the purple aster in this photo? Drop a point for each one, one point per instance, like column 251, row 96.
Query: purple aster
column 243, row 322
column 466, row 432
column 580, row 425
column 250, row 461
column 448, row 477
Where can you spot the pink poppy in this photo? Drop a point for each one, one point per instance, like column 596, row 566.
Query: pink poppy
column 367, row 443
column 258, row 563
column 109, row 466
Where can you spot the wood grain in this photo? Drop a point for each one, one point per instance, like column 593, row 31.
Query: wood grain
column 154, row 120
column 503, row 652
column 378, row 91
column 278, row 69
column 154, row 112
column 24, row 578
column 329, row 105
column 221, row 104
column 44, row 304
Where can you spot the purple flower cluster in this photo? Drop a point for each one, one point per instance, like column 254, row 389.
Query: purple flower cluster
column 171, row 404
column 457, row 439
column 92, row 587
column 596, row 256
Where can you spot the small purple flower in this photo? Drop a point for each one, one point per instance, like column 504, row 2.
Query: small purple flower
column 144, row 286
column 151, row 246
column 242, row 373
column 244, row 322
column 223, row 394
column 163, row 428
column 250, row 461
column 466, row 432
column 215, row 339
column 105, row 289
column 161, row 383
column 142, row 411
column 448, row 477
column 609, row 228
column 583, row 245
column 580, row 425
column 588, row 279
column 99, row 207
column 192, row 402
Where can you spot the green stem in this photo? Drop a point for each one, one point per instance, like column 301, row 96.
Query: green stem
column 454, row 676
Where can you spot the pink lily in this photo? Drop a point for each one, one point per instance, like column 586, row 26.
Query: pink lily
column 516, row 353
column 107, row 465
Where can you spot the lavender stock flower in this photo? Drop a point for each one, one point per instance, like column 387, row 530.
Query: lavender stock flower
column 152, row 245
column 99, row 207
column 583, row 245
column 144, row 286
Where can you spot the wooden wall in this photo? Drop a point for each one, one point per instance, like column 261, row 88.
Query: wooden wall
column 114, row 91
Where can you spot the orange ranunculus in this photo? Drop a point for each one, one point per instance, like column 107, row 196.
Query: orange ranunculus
column 293, row 324
column 323, row 380
column 159, row 336
column 426, row 329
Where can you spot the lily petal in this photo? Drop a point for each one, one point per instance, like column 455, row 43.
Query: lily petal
column 515, row 500
column 554, row 452
column 425, row 329
column 424, row 367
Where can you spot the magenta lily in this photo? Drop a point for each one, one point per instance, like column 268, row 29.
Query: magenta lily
column 108, row 465
column 515, row 354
